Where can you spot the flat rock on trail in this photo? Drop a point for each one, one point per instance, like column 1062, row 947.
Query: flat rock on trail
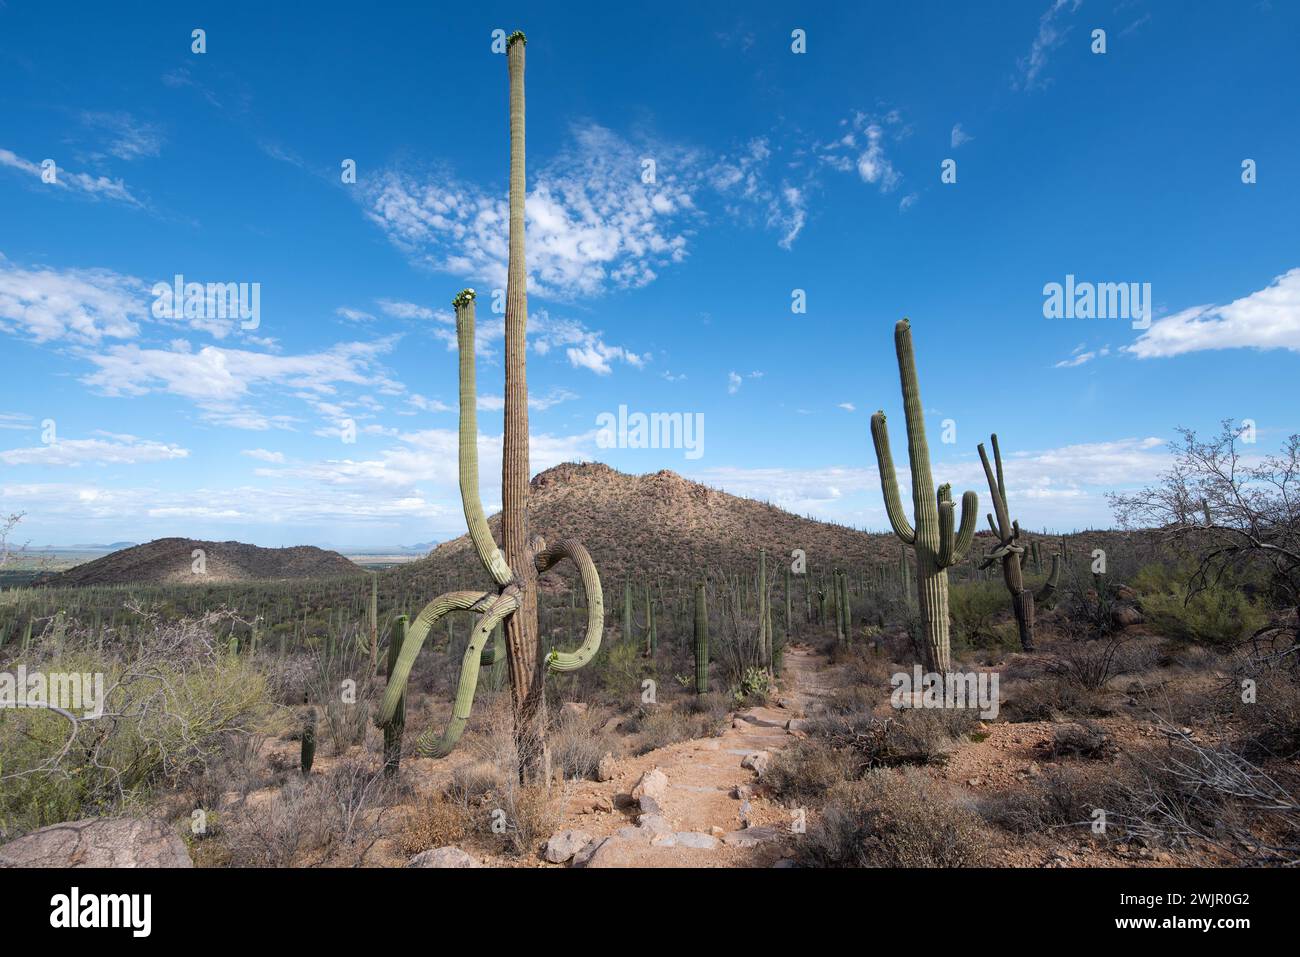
column 703, row 775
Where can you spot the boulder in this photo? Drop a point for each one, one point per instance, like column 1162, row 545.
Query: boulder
column 615, row 851
column 697, row 840
column 751, row 837
column 756, row 761
column 562, row 846
column 1125, row 615
column 653, row 784
column 99, row 842
column 607, row 768
column 448, row 856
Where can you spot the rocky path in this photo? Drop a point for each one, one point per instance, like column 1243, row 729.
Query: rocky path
column 696, row 803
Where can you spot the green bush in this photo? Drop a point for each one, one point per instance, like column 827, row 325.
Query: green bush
column 1219, row 615
column 974, row 607
column 165, row 717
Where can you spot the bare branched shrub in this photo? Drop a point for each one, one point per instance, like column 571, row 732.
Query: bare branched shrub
column 330, row 818
column 892, row 819
column 1199, row 793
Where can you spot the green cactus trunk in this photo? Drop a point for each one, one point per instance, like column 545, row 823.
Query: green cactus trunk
column 764, row 623
column 396, row 725
column 938, row 544
column 308, row 742
column 701, row 641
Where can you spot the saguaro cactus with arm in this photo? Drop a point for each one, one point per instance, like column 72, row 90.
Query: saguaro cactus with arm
column 1009, row 550
column 516, row 566
column 937, row 541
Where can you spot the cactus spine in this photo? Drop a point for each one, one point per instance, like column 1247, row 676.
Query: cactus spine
column 701, row 641
column 516, row 565
column 936, row 540
column 1009, row 550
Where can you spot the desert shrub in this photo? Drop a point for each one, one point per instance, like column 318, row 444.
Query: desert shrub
column 1090, row 664
column 918, row 736
column 578, row 741
column 321, row 819
column 806, row 770
column 1050, row 698
column 974, row 607
column 1269, row 727
column 888, row 819
column 168, row 712
column 435, row 822
column 1217, row 616
column 622, row 669
column 1082, row 739
column 1196, row 793
column 1059, row 798
column 661, row 726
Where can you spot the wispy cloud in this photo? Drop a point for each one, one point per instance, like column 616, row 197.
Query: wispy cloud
column 107, row 449
column 959, row 136
column 95, row 187
column 1051, row 34
column 127, row 137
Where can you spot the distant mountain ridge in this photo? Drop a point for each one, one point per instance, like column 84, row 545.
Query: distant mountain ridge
column 171, row 561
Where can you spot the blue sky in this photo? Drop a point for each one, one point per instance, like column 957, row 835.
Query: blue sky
column 775, row 171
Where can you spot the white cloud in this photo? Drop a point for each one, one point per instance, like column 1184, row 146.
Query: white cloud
column 848, row 407
column 733, row 383
column 80, row 305
column 96, row 187
column 110, row 449
column 959, row 136
column 1266, row 319
column 411, row 310
column 263, row 455
column 867, row 138
column 1050, row 36
column 353, row 315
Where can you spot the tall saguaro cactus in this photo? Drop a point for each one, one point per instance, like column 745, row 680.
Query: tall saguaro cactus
column 1009, row 550
column 701, row 641
column 516, row 565
column 937, row 541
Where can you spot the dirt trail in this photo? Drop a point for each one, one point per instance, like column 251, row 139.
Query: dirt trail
column 700, row 801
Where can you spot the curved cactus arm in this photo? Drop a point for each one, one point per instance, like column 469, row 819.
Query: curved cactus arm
column 953, row 546
column 889, row 480
column 488, row 552
column 430, row 746
column 970, row 508
column 562, row 661
column 1049, row 586
column 415, row 635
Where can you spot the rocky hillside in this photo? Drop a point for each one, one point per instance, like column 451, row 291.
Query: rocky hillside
column 169, row 561
column 661, row 525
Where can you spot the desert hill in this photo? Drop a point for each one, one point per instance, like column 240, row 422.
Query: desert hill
column 661, row 525
column 169, row 561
